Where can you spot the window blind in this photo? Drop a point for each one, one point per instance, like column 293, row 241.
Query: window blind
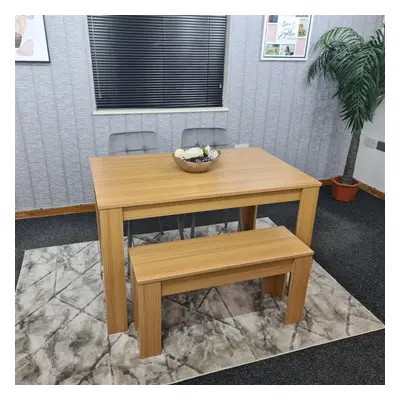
column 151, row 61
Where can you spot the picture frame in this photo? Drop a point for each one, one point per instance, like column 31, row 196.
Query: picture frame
column 31, row 39
column 286, row 37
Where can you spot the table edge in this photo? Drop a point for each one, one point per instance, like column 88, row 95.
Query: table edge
column 110, row 206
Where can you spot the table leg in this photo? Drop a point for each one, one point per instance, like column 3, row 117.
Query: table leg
column 249, row 217
column 306, row 214
column 112, row 243
column 149, row 299
column 297, row 290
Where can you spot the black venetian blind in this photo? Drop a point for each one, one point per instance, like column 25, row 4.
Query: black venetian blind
column 151, row 61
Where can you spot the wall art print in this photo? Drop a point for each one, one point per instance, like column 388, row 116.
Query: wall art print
column 286, row 37
column 30, row 39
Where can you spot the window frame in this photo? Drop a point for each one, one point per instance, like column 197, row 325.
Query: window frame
column 126, row 111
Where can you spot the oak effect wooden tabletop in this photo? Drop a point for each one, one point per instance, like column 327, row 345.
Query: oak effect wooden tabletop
column 128, row 181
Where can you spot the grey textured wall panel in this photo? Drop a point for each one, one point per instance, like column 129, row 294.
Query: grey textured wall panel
column 31, row 131
column 178, row 125
column 102, row 132
column 269, row 106
column 251, row 63
column 164, row 127
column 78, row 63
column 24, row 199
column 62, row 78
column 260, row 104
column 47, row 116
column 118, row 124
column 134, row 122
column 149, row 122
column 273, row 105
column 237, row 47
column 207, row 120
column 285, row 109
column 193, row 120
column 317, row 126
column 296, row 115
column 310, row 112
column 221, row 120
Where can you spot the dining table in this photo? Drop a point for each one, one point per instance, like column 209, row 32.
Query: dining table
column 135, row 187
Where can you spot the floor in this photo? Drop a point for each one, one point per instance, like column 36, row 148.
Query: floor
column 348, row 242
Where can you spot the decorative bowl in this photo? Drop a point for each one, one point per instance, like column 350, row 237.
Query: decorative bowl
column 195, row 167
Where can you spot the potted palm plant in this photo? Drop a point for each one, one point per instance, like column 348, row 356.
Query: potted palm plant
column 358, row 67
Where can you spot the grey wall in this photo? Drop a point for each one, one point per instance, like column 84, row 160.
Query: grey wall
column 269, row 106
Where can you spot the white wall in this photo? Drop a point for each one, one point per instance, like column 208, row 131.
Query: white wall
column 370, row 165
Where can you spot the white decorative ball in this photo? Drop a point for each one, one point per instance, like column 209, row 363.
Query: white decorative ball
column 213, row 154
column 179, row 153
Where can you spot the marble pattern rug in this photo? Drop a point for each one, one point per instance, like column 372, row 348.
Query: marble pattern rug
column 61, row 335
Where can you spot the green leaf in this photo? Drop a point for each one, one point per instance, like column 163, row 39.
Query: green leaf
column 359, row 68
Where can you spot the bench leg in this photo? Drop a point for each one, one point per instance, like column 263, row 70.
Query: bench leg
column 275, row 285
column 149, row 310
column 297, row 290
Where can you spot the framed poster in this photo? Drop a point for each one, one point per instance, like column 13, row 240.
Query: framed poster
column 286, row 37
column 30, row 39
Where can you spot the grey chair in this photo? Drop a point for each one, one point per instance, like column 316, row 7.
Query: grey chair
column 130, row 143
column 217, row 139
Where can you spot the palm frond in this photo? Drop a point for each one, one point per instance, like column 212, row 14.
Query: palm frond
column 359, row 87
column 359, row 68
column 344, row 35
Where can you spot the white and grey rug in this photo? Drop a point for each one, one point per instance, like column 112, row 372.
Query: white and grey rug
column 61, row 335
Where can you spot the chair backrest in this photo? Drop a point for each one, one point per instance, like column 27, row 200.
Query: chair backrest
column 215, row 137
column 128, row 143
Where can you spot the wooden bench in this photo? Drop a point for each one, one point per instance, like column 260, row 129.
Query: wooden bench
column 175, row 267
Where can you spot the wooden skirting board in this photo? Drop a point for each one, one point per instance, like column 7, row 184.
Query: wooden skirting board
column 82, row 208
column 50, row 212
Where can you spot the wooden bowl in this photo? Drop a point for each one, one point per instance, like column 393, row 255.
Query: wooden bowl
column 194, row 167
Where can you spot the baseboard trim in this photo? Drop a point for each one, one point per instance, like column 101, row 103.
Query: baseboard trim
column 375, row 192
column 326, row 182
column 83, row 208
column 50, row 212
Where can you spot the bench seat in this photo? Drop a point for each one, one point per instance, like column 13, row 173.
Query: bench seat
column 180, row 266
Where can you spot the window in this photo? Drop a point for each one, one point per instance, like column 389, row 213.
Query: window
column 151, row 61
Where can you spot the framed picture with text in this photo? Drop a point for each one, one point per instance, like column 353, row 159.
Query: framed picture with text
column 286, row 37
column 30, row 39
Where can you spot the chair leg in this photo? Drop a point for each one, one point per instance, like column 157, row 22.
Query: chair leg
column 226, row 218
column 193, row 228
column 161, row 225
column 180, row 221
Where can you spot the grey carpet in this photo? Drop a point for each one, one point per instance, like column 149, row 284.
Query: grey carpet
column 349, row 242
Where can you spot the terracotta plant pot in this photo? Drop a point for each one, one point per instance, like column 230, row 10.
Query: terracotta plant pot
column 342, row 192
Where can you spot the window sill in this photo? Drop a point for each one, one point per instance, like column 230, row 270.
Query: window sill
column 124, row 111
